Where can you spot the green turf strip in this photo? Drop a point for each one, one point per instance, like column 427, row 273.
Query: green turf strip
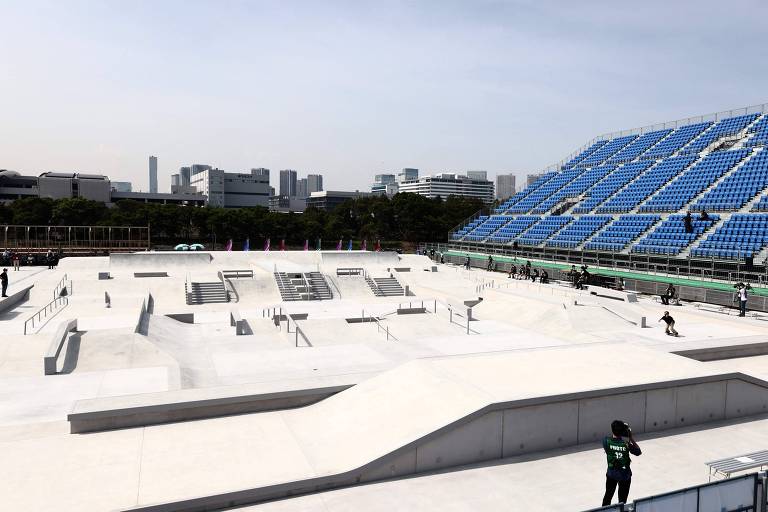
column 713, row 285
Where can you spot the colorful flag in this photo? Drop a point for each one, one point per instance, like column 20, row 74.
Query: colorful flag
column 282, row 244
column 349, row 245
column 306, row 245
column 365, row 244
column 266, row 245
column 228, row 247
column 247, row 245
column 338, row 245
column 378, row 245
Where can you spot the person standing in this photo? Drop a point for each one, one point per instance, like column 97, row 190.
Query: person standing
column 489, row 267
column 617, row 450
column 670, row 330
column 743, row 298
column 466, row 263
column 16, row 261
column 668, row 294
column 4, row 281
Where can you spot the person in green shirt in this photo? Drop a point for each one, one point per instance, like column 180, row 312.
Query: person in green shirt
column 617, row 450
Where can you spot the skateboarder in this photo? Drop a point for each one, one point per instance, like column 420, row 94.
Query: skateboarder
column 670, row 330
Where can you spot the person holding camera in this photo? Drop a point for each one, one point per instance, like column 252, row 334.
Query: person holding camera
column 617, row 449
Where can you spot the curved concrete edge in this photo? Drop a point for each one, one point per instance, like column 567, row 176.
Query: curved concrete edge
column 99, row 414
column 51, row 358
column 519, row 427
column 12, row 300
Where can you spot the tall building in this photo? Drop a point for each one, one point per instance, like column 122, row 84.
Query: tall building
column 260, row 171
column 153, row 175
column 505, row 186
column 184, row 174
column 446, row 184
column 302, row 188
column 384, row 184
column 288, row 183
column 408, row 174
column 232, row 190
column 477, row 175
column 314, row 183
column 198, row 168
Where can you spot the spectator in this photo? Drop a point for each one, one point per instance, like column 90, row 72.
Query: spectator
column 704, row 215
column 30, row 259
column 743, row 298
column 617, row 449
column 573, row 275
column 49, row 259
column 16, row 261
column 535, row 275
column 4, row 281
column 670, row 330
column 442, row 258
column 688, row 223
column 544, row 277
column 466, row 263
column 669, row 293
column 582, row 279
column 512, row 271
column 489, row 267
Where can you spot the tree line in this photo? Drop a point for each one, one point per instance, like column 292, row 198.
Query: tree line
column 403, row 218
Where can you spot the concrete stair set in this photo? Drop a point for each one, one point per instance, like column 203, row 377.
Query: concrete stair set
column 385, row 286
column 295, row 286
column 206, row 292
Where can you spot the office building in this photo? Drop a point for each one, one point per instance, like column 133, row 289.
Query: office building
column 384, row 184
column 122, row 186
column 314, row 183
column 447, row 184
column 477, row 175
column 198, row 168
column 153, row 175
column 260, row 171
column 301, row 188
column 287, row 204
column 232, row 190
column 184, row 175
column 408, row 174
column 329, row 199
column 288, row 183
column 505, row 186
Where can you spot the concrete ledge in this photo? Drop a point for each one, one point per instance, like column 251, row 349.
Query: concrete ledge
column 610, row 293
column 241, row 326
column 16, row 298
column 147, row 306
column 54, row 349
column 150, row 274
column 725, row 352
column 108, row 413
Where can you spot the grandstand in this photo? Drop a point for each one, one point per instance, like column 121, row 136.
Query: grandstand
column 622, row 199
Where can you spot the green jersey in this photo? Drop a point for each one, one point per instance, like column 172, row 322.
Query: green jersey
column 617, row 452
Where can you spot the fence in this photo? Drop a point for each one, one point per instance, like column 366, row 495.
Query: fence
column 75, row 239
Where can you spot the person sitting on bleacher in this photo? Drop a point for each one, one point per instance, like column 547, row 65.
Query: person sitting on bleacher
column 704, row 215
column 512, row 271
column 669, row 293
column 544, row 276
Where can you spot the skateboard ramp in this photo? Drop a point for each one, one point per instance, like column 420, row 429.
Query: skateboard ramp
column 441, row 412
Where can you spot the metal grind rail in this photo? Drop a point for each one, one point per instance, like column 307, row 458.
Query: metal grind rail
column 53, row 306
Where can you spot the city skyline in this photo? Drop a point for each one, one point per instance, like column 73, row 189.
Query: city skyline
column 356, row 89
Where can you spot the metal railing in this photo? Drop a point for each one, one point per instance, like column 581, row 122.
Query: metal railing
column 379, row 328
column 53, row 306
column 60, row 286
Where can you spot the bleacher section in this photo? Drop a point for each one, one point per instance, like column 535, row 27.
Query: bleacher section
column 510, row 231
column 743, row 235
column 621, row 232
column 610, row 196
column 646, row 185
column 670, row 237
column 738, row 188
column 611, row 184
column 724, row 128
column 578, row 231
column 543, row 230
column 693, row 181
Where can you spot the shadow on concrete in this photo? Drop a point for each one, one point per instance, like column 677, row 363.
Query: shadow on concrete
column 73, row 353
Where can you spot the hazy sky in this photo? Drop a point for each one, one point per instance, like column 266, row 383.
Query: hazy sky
column 352, row 88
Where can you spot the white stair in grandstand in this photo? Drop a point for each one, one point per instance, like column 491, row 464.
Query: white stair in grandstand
column 636, row 209
column 744, row 134
column 628, row 248
column 593, row 235
column 657, row 143
column 717, row 182
column 761, row 258
column 723, row 217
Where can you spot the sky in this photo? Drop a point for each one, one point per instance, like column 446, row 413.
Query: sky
column 354, row 88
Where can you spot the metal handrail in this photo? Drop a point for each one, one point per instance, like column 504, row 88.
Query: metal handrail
column 379, row 328
column 60, row 286
column 329, row 278
column 43, row 312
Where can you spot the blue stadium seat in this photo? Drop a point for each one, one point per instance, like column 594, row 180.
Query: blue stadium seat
column 724, row 128
column 742, row 236
column 574, row 188
column 584, row 154
column 646, row 184
column 693, row 181
column 605, row 152
column 511, row 230
column 578, row 231
column 613, row 182
column 638, row 146
column 670, row 238
column 543, row 229
column 677, row 139
column 738, row 188
column 550, row 187
column 619, row 233
column 541, row 180
column 761, row 205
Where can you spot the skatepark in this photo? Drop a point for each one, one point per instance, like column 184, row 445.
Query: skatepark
column 341, row 380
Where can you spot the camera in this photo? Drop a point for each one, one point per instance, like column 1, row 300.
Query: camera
column 620, row 428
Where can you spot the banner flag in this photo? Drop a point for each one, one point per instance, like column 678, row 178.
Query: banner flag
column 338, row 245
column 378, row 245
column 247, row 245
column 266, row 245
column 282, row 244
column 365, row 245
column 229, row 245
column 306, row 245
column 349, row 246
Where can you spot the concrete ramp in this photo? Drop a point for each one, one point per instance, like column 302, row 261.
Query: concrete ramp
column 158, row 260
column 438, row 413
column 359, row 258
